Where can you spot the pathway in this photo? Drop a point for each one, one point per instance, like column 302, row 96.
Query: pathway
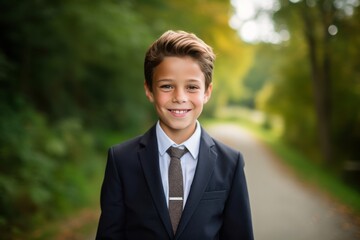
column 282, row 207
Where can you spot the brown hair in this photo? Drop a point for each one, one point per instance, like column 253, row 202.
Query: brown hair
column 179, row 43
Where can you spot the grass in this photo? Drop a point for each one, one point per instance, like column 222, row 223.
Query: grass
column 307, row 170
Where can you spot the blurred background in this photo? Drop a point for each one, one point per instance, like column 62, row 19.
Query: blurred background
column 71, row 85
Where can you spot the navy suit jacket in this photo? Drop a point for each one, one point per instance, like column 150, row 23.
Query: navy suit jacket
column 133, row 203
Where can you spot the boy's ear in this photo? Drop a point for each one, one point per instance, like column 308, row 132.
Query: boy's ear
column 148, row 92
column 208, row 93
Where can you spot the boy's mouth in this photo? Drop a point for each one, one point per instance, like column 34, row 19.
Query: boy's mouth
column 179, row 111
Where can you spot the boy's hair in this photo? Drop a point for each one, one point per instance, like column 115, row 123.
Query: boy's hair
column 179, row 44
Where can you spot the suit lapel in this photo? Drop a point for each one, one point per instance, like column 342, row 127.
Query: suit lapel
column 205, row 167
column 149, row 159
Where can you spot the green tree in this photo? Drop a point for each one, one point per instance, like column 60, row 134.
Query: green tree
column 319, row 48
column 66, row 70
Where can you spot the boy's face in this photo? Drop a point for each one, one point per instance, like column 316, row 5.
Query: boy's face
column 178, row 94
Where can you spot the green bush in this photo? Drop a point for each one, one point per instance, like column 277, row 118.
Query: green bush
column 45, row 170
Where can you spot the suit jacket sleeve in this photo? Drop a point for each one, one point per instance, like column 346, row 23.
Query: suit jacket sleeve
column 237, row 218
column 111, row 223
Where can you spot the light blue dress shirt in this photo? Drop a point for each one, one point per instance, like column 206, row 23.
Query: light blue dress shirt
column 188, row 161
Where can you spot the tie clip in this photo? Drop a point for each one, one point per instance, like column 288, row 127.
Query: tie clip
column 175, row 198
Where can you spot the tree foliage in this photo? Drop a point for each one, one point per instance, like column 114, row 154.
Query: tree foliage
column 317, row 81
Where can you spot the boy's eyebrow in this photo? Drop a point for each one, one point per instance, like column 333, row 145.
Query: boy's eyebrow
column 172, row 80
column 164, row 80
column 194, row 80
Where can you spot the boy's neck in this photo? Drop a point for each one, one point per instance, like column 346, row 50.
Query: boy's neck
column 179, row 136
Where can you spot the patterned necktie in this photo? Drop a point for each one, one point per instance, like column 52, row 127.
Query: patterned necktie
column 176, row 189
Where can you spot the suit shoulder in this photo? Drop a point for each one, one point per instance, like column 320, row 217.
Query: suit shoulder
column 128, row 145
column 224, row 147
column 228, row 152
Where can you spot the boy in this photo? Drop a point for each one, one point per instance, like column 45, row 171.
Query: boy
column 175, row 181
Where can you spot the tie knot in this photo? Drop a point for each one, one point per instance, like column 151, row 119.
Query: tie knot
column 176, row 152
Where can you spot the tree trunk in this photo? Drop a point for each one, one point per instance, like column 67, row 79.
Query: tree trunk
column 320, row 75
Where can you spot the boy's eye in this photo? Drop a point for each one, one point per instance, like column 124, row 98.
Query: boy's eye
column 193, row 88
column 166, row 87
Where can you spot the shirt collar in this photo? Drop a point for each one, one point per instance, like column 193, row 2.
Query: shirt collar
column 192, row 144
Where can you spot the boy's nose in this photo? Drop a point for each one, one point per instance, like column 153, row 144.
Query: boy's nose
column 179, row 96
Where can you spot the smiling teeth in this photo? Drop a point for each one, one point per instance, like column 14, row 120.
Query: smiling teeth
column 179, row 111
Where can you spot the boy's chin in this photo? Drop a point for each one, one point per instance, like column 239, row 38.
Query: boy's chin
column 178, row 126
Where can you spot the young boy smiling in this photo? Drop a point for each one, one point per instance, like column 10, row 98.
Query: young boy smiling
column 150, row 190
column 178, row 93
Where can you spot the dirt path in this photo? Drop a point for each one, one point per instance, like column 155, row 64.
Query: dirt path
column 283, row 208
